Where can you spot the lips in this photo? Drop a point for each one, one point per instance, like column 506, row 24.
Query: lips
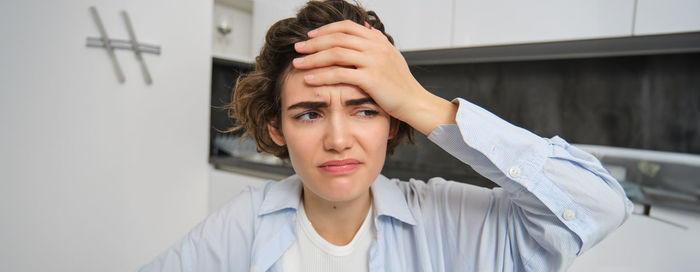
column 340, row 166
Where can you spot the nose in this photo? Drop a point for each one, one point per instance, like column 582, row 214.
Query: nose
column 338, row 136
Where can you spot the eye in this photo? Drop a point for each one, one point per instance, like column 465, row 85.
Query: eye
column 307, row 116
column 367, row 113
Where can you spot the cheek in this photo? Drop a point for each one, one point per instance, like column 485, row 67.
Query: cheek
column 300, row 141
column 374, row 136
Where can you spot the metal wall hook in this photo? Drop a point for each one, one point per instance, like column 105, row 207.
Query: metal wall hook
column 107, row 44
column 135, row 47
column 132, row 44
column 123, row 44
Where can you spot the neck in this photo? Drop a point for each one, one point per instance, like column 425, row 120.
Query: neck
column 337, row 222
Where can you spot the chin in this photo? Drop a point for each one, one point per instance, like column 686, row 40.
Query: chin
column 340, row 189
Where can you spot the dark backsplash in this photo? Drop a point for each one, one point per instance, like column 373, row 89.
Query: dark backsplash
column 643, row 102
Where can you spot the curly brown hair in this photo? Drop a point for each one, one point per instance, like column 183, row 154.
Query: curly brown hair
column 256, row 97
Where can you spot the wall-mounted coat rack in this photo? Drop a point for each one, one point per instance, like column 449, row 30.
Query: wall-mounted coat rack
column 132, row 44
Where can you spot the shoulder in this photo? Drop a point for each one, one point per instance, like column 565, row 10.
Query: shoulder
column 253, row 202
column 250, row 197
column 239, row 214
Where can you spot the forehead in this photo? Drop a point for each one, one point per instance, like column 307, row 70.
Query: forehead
column 295, row 90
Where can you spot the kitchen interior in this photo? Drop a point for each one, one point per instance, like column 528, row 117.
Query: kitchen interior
column 110, row 152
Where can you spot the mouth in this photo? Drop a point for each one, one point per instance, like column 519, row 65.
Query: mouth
column 340, row 166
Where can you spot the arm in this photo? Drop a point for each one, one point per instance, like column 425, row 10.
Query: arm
column 555, row 201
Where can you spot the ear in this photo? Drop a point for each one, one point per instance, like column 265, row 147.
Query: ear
column 394, row 127
column 275, row 133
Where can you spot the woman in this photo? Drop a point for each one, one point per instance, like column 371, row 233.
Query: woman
column 332, row 94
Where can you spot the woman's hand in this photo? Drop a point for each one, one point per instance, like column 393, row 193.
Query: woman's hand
column 364, row 57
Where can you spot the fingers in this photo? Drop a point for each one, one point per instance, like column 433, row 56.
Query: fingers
column 333, row 56
column 334, row 75
column 339, row 43
column 329, row 41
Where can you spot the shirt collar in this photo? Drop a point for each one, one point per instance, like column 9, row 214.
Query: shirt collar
column 387, row 197
column 284, row 194
column 390, row 200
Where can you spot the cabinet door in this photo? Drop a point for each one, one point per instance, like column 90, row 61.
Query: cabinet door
column 479, row 23
column 234, row 45
column 666, row 16
column 416, row 24
column 96, row 175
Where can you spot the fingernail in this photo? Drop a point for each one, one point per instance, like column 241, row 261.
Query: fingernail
column 312, row 32
column 298, row 61
column 300, row 45
column 309, row 77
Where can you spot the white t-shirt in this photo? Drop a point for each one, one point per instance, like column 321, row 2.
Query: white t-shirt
column 311, row 253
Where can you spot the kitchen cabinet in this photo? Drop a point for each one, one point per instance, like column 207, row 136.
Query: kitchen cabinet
column 416, row 24
column 668, row 16
column 420, row 26
column 231, row 32
column 98, row 175
column 500, row 22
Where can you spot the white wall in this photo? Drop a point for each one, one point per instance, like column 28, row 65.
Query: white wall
column 96, row 175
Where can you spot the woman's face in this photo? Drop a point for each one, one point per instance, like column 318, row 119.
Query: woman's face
column 336, row 137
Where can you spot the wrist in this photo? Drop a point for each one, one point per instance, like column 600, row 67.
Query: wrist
column 428, row 111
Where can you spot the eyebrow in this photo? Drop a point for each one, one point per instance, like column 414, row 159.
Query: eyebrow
column 357, row 102
column 316, row 105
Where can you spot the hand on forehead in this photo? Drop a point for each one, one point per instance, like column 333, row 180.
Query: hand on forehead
column 362, row 56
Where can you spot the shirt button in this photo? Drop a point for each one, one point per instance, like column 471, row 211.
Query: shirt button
column 514, row 172
column 253, row 269
column 569, row 215
column 293, row 217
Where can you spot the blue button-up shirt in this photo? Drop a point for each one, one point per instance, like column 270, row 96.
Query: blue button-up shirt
column 554, row 202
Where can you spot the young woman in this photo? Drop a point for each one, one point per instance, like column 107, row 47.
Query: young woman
column 331, row 94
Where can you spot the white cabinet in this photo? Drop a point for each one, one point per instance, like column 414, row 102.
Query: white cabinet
column 96, row 175
column 441, row 24
column 498, row 22
column 416, row 24
column 666, row 16
column 234, row 45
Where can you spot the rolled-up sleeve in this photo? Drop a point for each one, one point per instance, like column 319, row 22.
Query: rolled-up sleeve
column 559, row 200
